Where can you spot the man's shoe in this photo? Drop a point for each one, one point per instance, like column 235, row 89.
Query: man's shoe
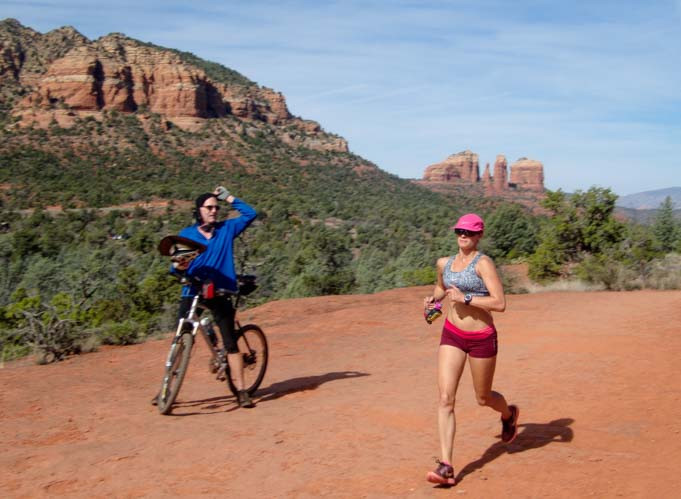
column 245, row 400
column 509, row 427
column 443, row 474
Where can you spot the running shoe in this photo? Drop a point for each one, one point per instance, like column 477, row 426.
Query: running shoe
column 509, row 427
column 443, row 474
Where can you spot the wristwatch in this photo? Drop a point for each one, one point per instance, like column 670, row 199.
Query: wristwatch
column 467, row 298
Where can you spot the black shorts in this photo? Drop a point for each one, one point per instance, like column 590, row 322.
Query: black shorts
column 223, row 313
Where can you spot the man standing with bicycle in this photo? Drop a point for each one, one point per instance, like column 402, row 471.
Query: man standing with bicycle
column 216, row 264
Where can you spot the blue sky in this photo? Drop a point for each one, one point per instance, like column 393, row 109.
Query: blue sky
column 592, row 89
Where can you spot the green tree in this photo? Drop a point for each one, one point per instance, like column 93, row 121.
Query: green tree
column 510, row 232
column 666, row 229
column 578, row 225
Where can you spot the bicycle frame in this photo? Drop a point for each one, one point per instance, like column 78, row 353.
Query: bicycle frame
column 197, row 325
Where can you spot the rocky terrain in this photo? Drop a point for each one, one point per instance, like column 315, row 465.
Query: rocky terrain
column 348, row 408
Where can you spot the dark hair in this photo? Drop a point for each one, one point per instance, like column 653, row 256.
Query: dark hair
column 199, row 203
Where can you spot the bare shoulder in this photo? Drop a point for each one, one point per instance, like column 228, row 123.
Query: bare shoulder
column 441, row 262
column 485, row 264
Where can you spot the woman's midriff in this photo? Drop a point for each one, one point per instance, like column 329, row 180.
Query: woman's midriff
column 471, row 319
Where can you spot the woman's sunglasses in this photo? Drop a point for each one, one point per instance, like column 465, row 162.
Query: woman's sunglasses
column 212, row 207
column 466, row 232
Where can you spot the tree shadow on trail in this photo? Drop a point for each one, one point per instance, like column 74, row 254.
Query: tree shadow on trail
column 532, row 436
column 302, row 384
column 272, row 392
column 211, row 405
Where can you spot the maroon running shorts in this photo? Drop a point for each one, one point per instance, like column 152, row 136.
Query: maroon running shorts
column 480, row 344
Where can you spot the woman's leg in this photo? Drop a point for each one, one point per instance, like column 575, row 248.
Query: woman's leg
column 482, row 371
column 450, row 363
column 223, row 312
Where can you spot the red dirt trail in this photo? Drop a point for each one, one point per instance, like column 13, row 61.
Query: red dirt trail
column 348, row 408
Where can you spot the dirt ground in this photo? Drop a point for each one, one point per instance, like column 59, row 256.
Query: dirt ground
column 348, row 408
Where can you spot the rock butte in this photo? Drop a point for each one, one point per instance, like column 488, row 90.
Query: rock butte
column 524, row 184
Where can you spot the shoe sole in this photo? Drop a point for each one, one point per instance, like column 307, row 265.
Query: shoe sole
column 435, row 478
column 517, row 417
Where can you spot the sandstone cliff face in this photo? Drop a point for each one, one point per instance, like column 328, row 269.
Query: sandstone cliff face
column 121, row 74
column 461, row 167
column 528, row 174
column 500, row 174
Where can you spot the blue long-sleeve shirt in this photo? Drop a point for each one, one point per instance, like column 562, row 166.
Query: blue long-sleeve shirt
column 217, row 262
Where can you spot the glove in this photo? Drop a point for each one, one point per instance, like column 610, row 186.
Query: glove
column 221, row 193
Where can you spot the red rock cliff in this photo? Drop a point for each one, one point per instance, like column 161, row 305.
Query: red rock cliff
column 528, row 174
column 460, row 167
column 118, row 73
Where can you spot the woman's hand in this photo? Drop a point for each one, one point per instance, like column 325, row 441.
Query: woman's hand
column 455, row 295
column 429, row 302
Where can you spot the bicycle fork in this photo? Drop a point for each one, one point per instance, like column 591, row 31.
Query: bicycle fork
column 172, row 353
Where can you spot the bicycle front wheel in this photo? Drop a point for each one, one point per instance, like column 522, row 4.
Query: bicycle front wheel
column 253, row 348
column 176, row 368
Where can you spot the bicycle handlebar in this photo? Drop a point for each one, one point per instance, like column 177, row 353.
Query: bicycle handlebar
column 245, row 284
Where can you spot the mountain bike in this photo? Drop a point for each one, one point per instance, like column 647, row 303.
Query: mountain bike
column 250, row 339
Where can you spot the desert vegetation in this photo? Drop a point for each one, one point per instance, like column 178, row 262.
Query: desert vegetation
column 79, row 224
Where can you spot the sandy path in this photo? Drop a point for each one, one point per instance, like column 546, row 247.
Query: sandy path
column 348, row 407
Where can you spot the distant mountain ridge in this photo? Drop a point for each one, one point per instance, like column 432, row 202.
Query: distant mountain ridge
column 650, row 200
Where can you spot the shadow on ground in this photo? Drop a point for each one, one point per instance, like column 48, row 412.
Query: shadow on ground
column 532, row 436
column 272, row 392
column 302, row 384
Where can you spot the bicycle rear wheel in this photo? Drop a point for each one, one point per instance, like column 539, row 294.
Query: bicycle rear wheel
column 176, row 368
column 252, row 345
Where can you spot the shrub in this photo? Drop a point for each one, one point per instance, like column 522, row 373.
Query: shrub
column 122, row 333
column 51, row 336
column 665, row 272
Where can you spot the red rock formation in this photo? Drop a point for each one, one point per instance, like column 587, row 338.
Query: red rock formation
column 487, row 181
column 528, row 174
column 121, row 74
column 462, row 166
column 500, row 174
column 460, row 170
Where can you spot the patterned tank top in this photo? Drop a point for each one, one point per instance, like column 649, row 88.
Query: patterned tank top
column 468, row 281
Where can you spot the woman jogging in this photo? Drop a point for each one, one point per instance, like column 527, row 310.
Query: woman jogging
column 474, row 288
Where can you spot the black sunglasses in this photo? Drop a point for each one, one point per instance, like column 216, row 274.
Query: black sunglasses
column 466, row 232
column 212, row 207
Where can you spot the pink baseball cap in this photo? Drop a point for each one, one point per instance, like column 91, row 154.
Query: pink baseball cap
column 470, row 221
